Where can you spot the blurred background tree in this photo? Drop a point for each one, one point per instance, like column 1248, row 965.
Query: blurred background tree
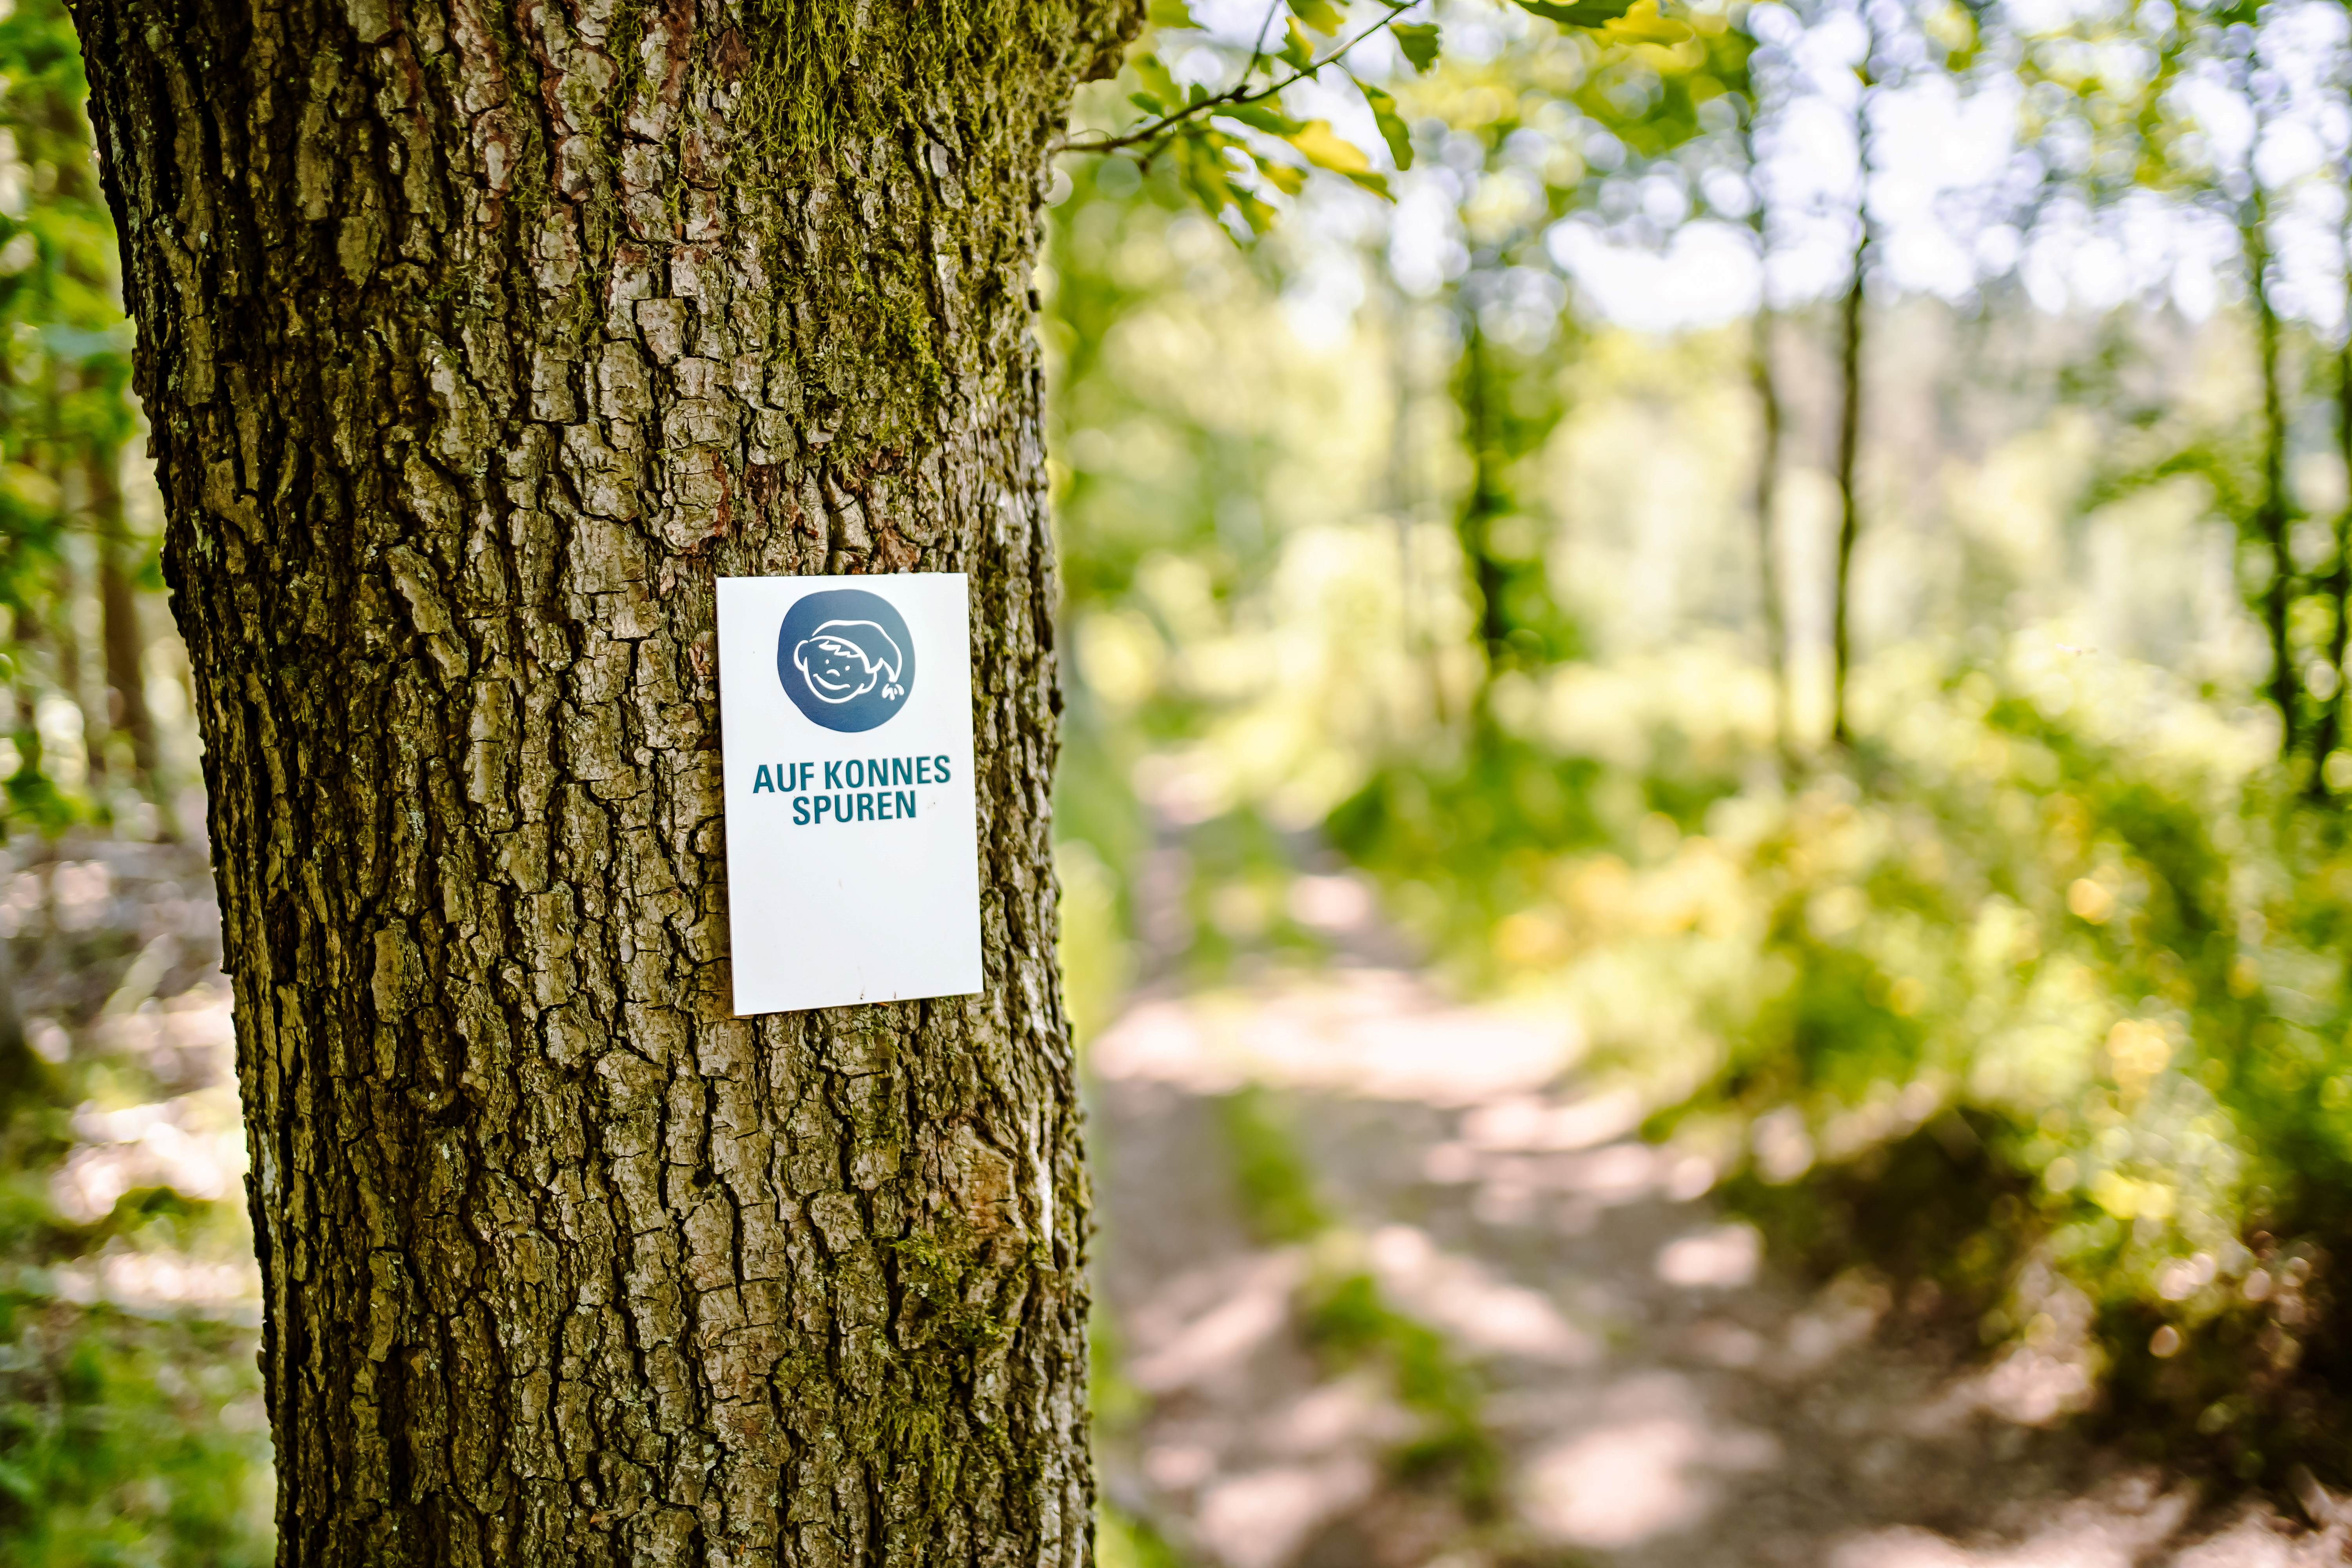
column 79, row 587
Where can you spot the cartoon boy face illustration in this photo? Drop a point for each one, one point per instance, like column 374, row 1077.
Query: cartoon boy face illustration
column 843, row 660
column 847, row 657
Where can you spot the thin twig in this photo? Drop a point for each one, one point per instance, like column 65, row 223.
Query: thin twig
column 1257, row 46
column 1234, row 96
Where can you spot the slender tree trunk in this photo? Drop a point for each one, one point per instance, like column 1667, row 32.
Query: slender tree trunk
column 1849, row 347
column 1485, row 501
column 1761, row 375
column 2271, row 505
column 1768, row 487
column 2330, row 733
column 78, row 676
column 1849, row 453
column 2339, row 585
column 125, row 640
column 28, row 631
column 1414, row 643
column 477, row 342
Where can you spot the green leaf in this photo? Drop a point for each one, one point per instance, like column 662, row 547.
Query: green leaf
column 1393, row 130
column 1264, row 117
column 1327, row 149
column 1319, row 14
column 1256, row 213
column 1645, row 22
column 1375, row 182
column 1419, row 42
column 1204, row 173
column 1581, row 13
column 1287, row 178
column 1158, row 80
column 1149, row 104
column 1297, row 46
column 1172, row 13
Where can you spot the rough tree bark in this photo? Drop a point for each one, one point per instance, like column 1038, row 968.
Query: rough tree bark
column 478, row 339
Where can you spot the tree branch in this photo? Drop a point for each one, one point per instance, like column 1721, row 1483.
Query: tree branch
column 1235, row 97
column 1257, row 45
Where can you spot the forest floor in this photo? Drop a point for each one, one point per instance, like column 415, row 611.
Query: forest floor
column 1644, row 1388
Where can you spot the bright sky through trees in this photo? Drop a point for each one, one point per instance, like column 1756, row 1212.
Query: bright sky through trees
column 1957, row 198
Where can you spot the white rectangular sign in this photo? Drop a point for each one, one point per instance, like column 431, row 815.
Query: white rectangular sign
column 853, row 853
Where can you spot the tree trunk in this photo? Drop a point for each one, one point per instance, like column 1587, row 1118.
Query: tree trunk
column 1767, row 384
column 1486, row 500
column 478, row 341
column 2271, row 504
column 124, row 639
column 80, row 678
column 1849, row 453
column 2339, row 585
column 1849, row 445
column 1412, row 641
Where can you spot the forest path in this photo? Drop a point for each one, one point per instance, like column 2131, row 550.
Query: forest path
column 1654, row 1396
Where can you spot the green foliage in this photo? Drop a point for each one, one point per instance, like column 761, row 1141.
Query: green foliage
column 2037, row 1003
column 1321, row 15
column 1121, row 1541
column 1584, row 14
column 1350, row 1321
column 1393, row 130
column 132, row 1438
column 123, row 1439
column 1276, row 1187
column 1474, row 839
column 2042, row 990
column 1235, row 146
column 1419, row 42
column 65, row 371
column 1161, row 462
column 129, row 1441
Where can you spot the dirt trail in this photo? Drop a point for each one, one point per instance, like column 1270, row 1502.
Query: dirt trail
column 1656, row 1397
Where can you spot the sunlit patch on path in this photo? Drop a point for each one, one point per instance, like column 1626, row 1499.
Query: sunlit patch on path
column 1367, row 1032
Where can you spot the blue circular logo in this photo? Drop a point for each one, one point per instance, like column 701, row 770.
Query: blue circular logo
column 845, row 658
